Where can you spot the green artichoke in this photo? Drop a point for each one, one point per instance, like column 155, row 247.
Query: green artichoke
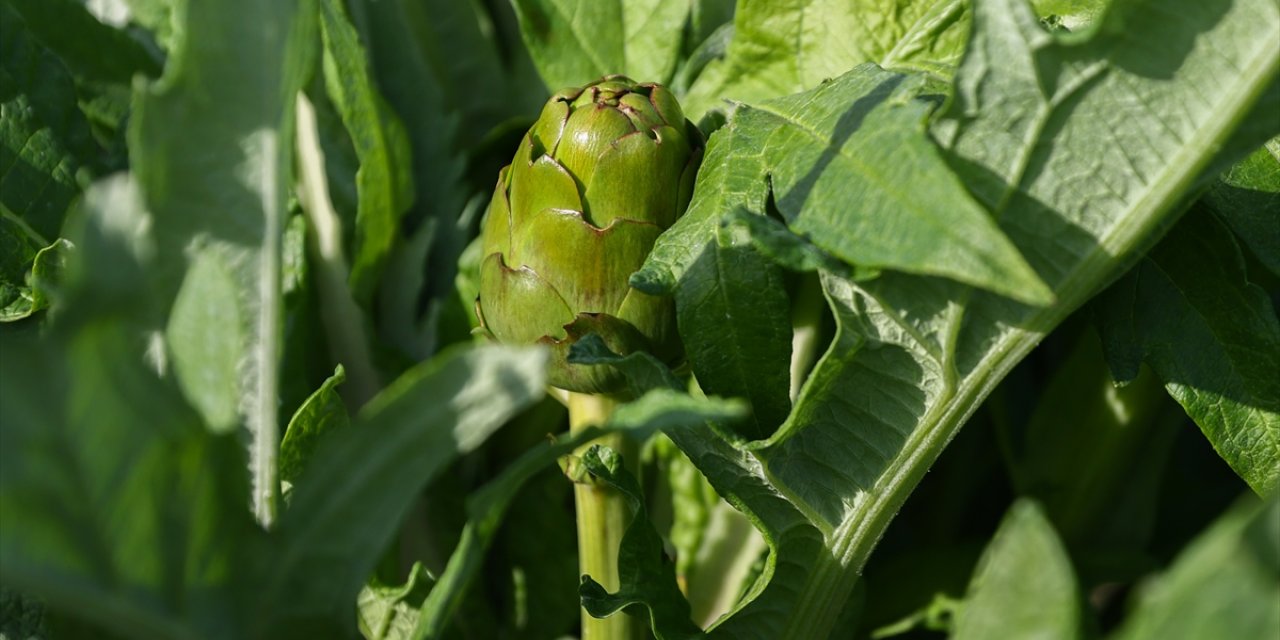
column 605, row 169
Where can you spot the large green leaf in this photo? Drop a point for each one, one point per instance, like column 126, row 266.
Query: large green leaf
column 1210, row 336
column 576, row 41
column 1024, row 586
column 211, row 146
column 1082, row 146
column 855, row 139
column 1226, row 584
column 784, row 47
column 736, row 358
column 860, row 139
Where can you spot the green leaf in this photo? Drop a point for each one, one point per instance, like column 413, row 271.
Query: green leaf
column 322, row 413
column 384, row 181
column 647, row 577
column 1211, row 337
column 390, row 612
column 441, row 65
column 1226, row 584
column 93, row 50
column 18, row 249
column 150, row 531
column 20, row 617
column 1024, row 586
column 48, row 269
column 219, row 187
column 44, row 138
column 573, row 42
column 859, row 138
column 1083, row 148
column 1247, row 198
column 733, row 358
column 784, row 47
column 361, row 481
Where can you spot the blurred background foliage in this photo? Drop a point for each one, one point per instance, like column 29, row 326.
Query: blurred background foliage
column 130, row 107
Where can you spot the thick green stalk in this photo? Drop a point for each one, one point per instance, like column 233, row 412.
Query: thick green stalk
column 603, row 516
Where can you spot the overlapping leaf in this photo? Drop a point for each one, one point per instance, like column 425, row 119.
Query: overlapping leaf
column 781, row 48
column 1210, row 336
column 859, row 139
column 1247, row 198
column 1082, row 148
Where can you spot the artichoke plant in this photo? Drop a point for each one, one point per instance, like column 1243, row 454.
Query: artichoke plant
column 605, row 169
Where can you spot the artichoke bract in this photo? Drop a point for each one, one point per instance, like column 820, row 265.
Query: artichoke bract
column 605, row 169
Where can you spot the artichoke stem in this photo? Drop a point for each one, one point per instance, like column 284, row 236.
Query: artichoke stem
column 603, row 516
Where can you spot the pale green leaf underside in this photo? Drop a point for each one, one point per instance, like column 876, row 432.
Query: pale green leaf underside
column 206, row 338
column 219, row 187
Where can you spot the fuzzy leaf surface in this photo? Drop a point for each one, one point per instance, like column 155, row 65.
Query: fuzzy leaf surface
column 220, row 189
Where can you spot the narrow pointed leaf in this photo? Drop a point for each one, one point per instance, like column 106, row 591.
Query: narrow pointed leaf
column 384, row 181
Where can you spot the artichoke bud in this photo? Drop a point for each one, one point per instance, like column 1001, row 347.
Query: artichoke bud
column 605, row 170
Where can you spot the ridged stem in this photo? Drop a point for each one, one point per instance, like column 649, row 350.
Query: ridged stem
column 603, row 517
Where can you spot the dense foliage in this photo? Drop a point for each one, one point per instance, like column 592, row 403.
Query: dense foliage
column 240, row 396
